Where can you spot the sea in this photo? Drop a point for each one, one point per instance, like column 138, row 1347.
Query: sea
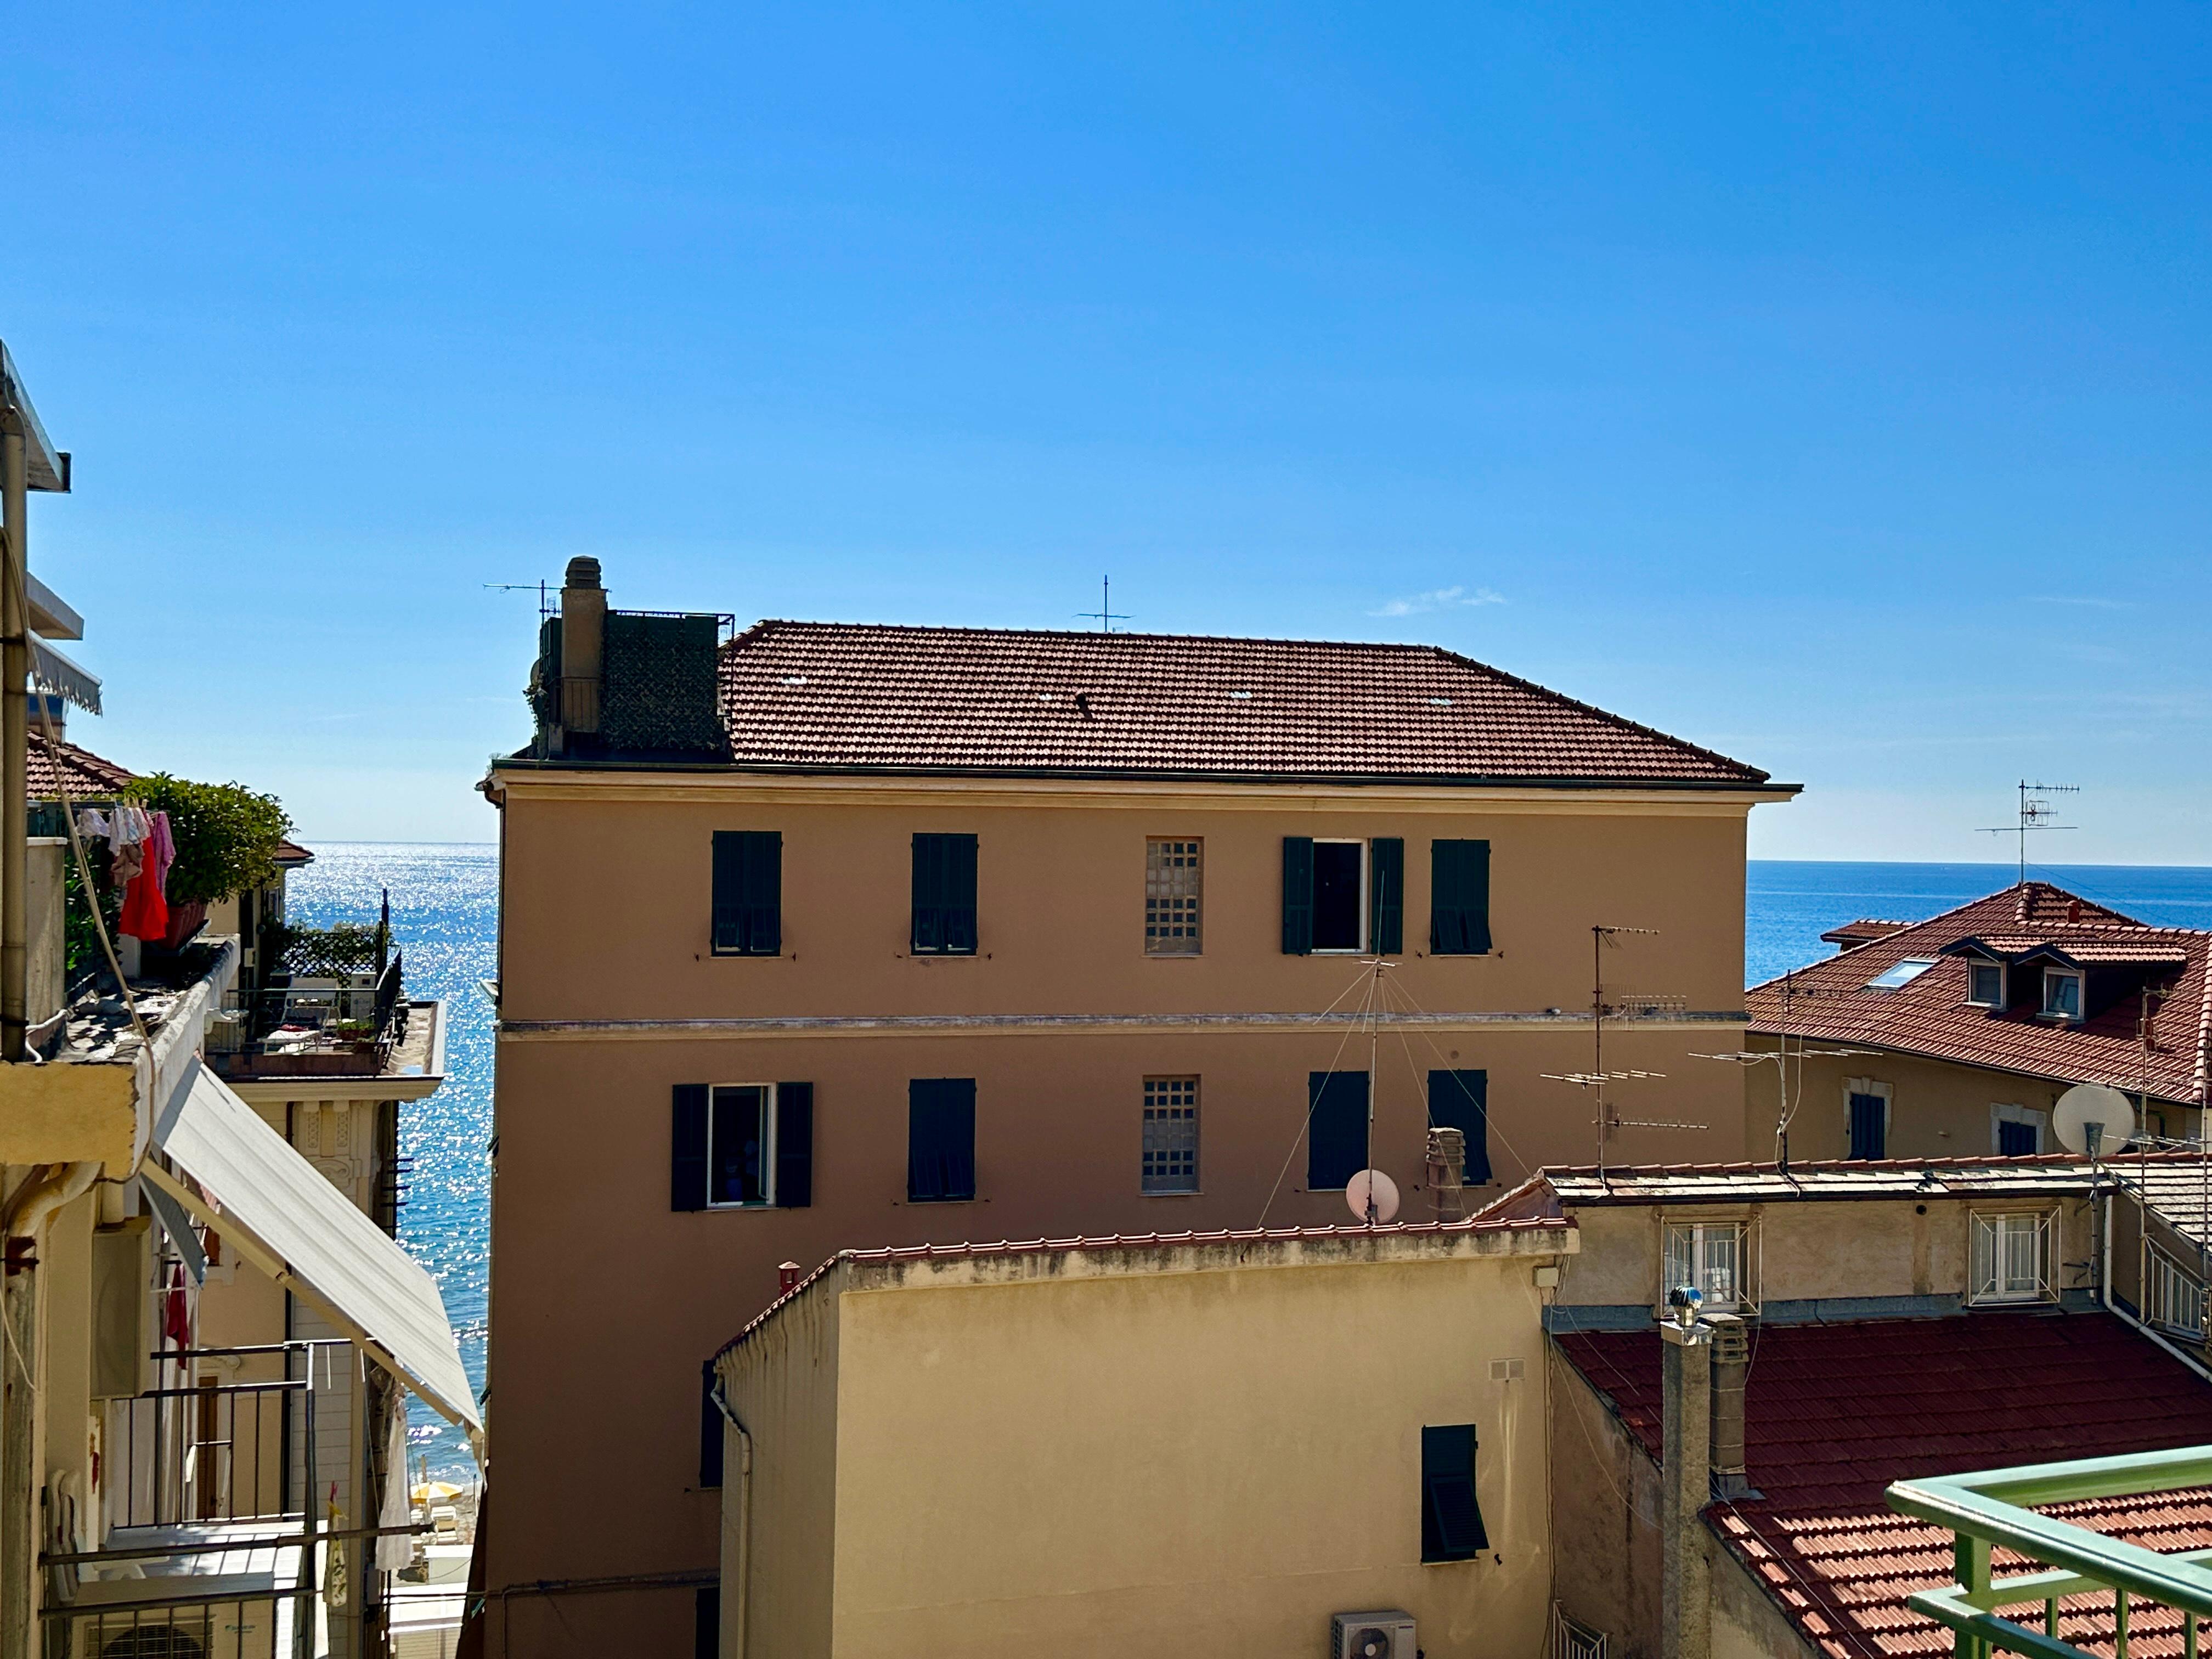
column 444, row 917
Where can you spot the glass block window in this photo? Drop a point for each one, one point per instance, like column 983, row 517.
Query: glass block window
column 1170, row 1134
column 1173, row 870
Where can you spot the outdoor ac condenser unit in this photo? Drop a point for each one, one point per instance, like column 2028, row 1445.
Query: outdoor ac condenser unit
column 1385, row 1635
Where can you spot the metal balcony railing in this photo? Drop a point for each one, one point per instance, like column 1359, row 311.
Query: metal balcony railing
column 1996, row 1510
column 337, row 1023
column 2173, row 1296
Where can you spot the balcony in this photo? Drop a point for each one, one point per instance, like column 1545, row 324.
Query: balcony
column 2087, row 1592
column 341, row 1024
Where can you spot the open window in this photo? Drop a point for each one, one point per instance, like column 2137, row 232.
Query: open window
column 1866, row 1117
column 2013, row 1257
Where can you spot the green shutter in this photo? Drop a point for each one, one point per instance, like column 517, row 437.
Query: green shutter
column 748, row 902
column 960, row 894
column 1451, row 1519
column 729, row 891
column 945, row 895
column 1336, row 1128
column 1386, row 897
column 794, row 1146
column 687, row 1161
column 1461, row 1100
column 1298, row 896
column 940, row 1144
column 1459, row 898
column 928, row 894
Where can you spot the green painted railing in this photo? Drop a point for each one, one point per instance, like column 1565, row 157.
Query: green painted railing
column 1996, row 1509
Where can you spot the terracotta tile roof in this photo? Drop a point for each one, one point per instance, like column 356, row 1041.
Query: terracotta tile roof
column 1829, row 1000
column 869, row 697
column 88, row 776
column 289, row 853
column 1833, row 1413
column 1863, row 931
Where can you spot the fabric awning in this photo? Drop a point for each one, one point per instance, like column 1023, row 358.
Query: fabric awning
column 292, row 1224
column 56, row 674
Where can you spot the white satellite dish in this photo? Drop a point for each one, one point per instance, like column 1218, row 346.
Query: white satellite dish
column 1372, row 1183
column 2092, row 1106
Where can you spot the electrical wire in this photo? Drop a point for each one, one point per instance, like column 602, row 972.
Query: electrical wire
column 1370, row 973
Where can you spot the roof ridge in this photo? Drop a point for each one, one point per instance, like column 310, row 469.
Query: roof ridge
column 1411, row 646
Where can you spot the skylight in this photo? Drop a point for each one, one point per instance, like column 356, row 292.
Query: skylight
column 1902, row 974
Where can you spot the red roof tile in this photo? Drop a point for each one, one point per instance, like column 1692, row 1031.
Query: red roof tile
column 88, row 776
column 1833, row 1413
column 1864, row 930
column 1829, row 1000
column 851, row 696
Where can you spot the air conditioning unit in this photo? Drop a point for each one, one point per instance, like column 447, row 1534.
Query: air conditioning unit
column 1385, row 1635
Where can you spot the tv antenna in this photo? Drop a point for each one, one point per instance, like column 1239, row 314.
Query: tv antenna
column 2035, row 813
column 1782, row 1055
column 1106, row 616
column 1608, row 1116
column 545, row 604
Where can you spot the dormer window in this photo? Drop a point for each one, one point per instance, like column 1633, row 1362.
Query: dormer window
column 1985, row 984
column 2062, row 993
column 1903, row 973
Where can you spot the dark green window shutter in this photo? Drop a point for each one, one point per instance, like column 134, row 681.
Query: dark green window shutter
column 945, row 896
column 940, row 1144
column 1451, row 1519
column 1386, row 894
column 1461, row 1101
column 1336, row 1128
column 687, row 1161
column 794, row 1146
column 710, row 1429
column 748, row 892
column 1298, row 896
column 1459, row 898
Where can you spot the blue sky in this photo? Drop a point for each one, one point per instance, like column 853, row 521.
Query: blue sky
column 1826, row 385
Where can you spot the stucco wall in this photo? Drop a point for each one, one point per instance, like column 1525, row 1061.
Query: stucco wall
column 1604, row 1508
column 1161, row 1461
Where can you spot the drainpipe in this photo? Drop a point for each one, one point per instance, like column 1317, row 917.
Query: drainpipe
column 1685, row 1602
column 744, row 1514
column 15, row 751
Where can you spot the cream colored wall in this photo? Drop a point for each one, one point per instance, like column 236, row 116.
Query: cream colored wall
column 1604, row 1508
column 606, row 912
column 783, row 1387
column 1207, row 1461
column 66, row 1266
column 1808, row 1250
column 1938, row 1109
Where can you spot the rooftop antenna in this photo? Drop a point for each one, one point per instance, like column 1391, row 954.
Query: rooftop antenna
column 545, row 604
column 1596, row 1078
column 2035, row 813
column 1106, row 616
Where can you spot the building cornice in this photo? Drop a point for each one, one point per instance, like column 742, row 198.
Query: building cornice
column 924, row 1025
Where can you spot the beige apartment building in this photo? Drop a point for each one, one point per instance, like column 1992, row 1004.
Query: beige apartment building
column 823, row 937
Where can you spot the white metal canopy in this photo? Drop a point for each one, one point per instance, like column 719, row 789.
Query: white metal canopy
column 292, row 1224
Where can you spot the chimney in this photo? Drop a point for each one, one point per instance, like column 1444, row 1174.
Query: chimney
column 788, row 1275
column 1686, row 1606
column 583, row 635
column 1731, row 1369
column 1447, row 1176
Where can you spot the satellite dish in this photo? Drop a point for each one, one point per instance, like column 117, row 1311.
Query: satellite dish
column 2091, row 1106
column 1373, row 1182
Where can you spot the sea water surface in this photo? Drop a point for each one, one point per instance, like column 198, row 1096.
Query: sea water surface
column 444, row 917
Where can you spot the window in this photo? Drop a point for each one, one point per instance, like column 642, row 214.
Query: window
column 1173, row 872
column 1451, row 1519
column 1866, row 1117
column 1709, row 1255
column 945, row 896
column 748, row 901
column 2011, row 1257
column 1336, row 1128
column 1985, row 984
column 2062, row 993
column 1460, row 1099
column 740, row 1146
column 940, row 1139
column 1903, row 973
column 1170, row 1134
column 2017, row 1131
column 1459, row 898
column 1337, row 894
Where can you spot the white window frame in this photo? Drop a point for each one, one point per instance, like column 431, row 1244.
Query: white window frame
column 1975, row 967
column 1867, row 1086
column 1992, row 1247
column 1921, row 965
column 1366, row 922
column 2038, row 1120
column 1694, row 1234
column 769, row 1115
column 2081, row 994
column 1197, row 1138
column 1168, row 948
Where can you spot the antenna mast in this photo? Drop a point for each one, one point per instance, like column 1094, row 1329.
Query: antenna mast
column 2035, row 813
column 1106, row 616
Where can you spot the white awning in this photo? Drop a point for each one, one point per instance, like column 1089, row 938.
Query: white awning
column 287, row 1221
